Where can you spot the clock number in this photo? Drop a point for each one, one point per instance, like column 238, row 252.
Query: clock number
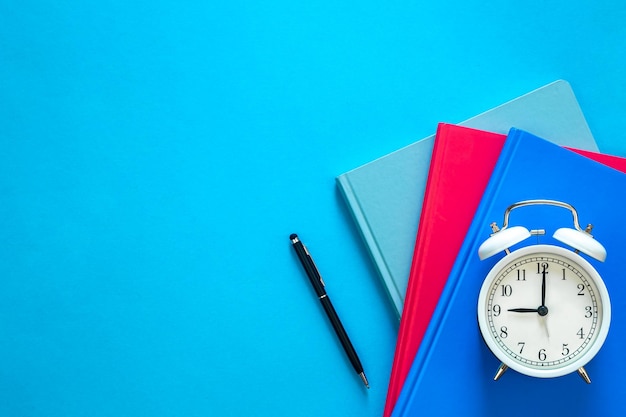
column 497, row 310
column 565, row 351
column 581, row 333
column 521, row 275
column 521, row 345
column 563, row 274
column 542, row 267
column 507, row 290
column 542, row 355
column 581, row 289
column 504, row 332
column 588, row 312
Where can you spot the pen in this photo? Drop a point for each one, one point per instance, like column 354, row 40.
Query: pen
column 318, row 285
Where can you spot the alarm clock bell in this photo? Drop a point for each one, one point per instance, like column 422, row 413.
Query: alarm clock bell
column 577, row 238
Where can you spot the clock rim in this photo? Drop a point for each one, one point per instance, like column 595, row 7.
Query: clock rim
column 575, row 363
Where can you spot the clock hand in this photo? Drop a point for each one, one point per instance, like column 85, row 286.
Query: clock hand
column 544, row 321
column 542, row 310
column 543, row 288
column 524, row 310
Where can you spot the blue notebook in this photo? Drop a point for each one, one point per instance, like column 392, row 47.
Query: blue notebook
column 453, row 371
column 385, row 195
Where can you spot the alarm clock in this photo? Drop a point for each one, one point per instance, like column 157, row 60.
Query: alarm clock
column 543, row 310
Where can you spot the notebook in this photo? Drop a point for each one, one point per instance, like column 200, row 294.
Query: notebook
column 453, row 371
column 461, row 165
column 385, row 195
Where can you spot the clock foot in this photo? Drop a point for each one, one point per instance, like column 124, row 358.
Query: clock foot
column 584, row 375
column 501, row 370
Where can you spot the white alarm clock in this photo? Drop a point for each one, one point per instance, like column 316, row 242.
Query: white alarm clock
column 543, row 310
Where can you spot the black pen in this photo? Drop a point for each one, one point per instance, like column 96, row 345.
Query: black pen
column 318, row 285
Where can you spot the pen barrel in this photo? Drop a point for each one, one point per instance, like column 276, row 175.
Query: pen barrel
column 309, row 268
column 316, row 280
column 341, row 333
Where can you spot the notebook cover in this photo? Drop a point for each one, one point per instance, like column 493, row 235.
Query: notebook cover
column 385, row 195
column 452, row 373
column 461, row 165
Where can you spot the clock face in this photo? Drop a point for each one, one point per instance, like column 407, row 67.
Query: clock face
column 544, row 311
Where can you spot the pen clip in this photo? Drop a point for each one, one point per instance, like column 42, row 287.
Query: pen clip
column 314, row 265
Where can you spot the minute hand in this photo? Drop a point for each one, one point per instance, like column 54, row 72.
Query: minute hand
column 543, row 288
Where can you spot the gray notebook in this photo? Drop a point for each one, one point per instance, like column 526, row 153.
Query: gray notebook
column 385, row 195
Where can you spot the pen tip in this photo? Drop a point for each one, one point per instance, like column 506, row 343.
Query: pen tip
column 364, row 378
column 293, row 236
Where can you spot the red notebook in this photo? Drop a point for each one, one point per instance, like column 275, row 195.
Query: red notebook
column 461, row 165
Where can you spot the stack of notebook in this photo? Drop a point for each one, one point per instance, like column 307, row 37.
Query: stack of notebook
column 423, row 211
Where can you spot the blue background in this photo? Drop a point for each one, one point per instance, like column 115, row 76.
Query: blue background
column 156, row 155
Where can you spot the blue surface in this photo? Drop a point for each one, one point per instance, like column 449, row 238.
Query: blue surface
column 155, row 156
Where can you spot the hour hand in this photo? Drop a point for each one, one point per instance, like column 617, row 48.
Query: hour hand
column 524, row 310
